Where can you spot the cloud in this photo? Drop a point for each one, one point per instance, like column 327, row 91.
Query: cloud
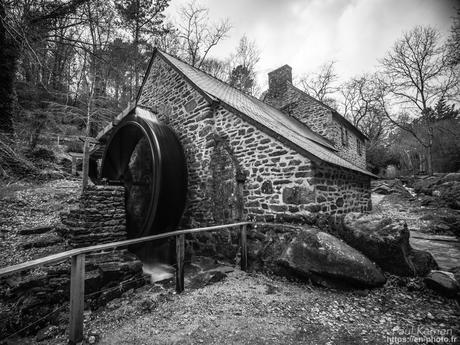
column 307, row 33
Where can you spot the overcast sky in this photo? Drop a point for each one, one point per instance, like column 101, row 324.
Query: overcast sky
column 306, row 33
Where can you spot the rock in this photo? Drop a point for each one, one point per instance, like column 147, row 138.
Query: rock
column 298, row 195
column 446, row 188
column 427, row 201
column 36, row 230
column 451, row 177
column 389, row 187
column 384, row 241
column 47, row 333
column 319, row 256
column 40, row 242
column 422, row 261
column 426, row 184
column 382, row 189
column 93, row 337
column 207, row 278
column 456, row 272
column 450, row 194
column 443, row 282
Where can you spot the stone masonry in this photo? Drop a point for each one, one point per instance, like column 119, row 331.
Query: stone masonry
column 280, row 183
column 283, row 95
column 100, row 218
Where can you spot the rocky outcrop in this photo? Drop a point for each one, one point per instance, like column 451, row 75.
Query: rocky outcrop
column 268, row 243
column 386, row 187
column 443, row 282
column 445, row 188
column 384, row 241
column 324, row 259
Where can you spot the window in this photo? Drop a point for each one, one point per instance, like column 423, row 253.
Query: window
column 359, row 147
column 344, row 135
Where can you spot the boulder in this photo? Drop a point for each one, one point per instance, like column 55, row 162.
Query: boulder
column 443, row 282
column 323, row 258
column 449, row 192
column 446, row 187
column 426, row 185
column 389, row 187
column 423, row 262
column 383, row 240
column 382, row 189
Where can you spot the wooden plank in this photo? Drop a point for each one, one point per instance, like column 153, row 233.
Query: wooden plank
column 77, row 295
column 180, row 254
column 244, row 248
column 65, row 255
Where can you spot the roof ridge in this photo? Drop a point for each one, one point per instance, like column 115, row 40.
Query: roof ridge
column 210, row 75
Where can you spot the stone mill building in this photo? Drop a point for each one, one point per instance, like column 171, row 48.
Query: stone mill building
column 272, row 159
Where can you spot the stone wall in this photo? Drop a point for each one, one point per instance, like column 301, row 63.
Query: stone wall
column 302, row 107
column 101, row 217
column 279, row 182
column 292, row 101
column 349, row 151
column 206, row 129
column 340, row 190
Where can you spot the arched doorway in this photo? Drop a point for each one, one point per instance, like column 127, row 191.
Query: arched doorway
column 225, row 191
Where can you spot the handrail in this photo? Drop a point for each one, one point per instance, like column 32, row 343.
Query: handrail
column 77, row 273
column 112, row 245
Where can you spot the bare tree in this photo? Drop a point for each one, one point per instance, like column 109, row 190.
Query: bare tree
column 247, row 54
column 321, row 84
column 453, row 43
column 416, row 74
column 216, row 67
column 358, row 97
column 197, row 34
column 242, row 66
column 360, row 104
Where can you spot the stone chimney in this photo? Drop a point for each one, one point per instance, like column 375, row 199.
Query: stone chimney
column 278, row 79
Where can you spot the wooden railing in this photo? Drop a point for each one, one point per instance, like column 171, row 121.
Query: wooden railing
column 77, row 274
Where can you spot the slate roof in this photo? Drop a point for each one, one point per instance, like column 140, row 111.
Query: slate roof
column 258, row 112
column 264, row 114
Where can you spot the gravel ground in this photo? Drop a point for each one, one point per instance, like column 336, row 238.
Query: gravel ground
column 257, row 309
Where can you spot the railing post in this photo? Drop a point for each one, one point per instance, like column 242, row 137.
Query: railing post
column 180, row 254
column 244, row 248
column 77, row 294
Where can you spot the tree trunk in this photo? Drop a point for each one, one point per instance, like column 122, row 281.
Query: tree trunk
column 429, row 160
column 8, row 59
column 86, row 144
